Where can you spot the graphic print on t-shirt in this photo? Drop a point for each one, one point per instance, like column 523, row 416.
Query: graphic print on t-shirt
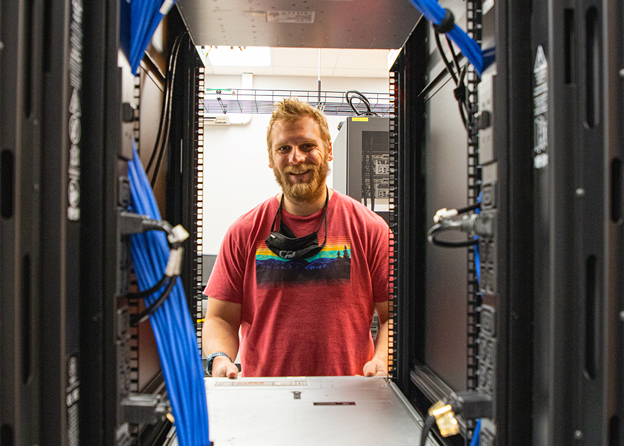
column 331, row 266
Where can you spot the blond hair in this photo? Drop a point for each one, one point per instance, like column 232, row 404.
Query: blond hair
column 291, row 109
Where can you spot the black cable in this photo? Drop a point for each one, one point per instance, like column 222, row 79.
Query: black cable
column 426, row 428
column 460, row 95
column 444, row 227
column 150, row 291
column 165, row 104
column 458, row 78
column 349, row 98
column 447, row 64
column 162, row 139
column 165, row 140
column 455, row 56
column 472, row 207
column 157, row 303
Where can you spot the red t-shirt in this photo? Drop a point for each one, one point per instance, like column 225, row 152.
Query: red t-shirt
column 307, row 317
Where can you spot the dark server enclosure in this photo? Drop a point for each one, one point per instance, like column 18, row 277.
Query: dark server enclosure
column 577, row 109
column 41, row 210
column 67, row 357
column 21, row 59
column 548, row 319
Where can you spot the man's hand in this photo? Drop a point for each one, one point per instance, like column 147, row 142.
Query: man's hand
column 375, row 367
column 222, row 367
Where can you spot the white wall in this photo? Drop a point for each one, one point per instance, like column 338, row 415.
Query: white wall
column 363, row 84
column 236, row 172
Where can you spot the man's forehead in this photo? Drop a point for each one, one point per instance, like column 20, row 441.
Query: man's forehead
column 280, row 129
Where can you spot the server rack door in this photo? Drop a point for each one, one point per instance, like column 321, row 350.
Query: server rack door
column 576, row 154
column 20, row 160
column 60, row 212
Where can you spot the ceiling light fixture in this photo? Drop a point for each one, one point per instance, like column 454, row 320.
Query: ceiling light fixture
column 239, row 56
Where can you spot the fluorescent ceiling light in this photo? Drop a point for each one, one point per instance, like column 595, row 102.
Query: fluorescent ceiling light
column 250, row 56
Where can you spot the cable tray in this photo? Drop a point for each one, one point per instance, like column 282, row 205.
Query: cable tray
column 223, row 101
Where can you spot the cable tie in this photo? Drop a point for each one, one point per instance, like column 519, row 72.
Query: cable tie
column 174, row 264
column 447, row 23
column 460, row 93
column 166, row 7
column 178, row 234
column 443, row 214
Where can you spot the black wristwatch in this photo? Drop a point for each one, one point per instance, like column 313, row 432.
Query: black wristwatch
column 210, row 360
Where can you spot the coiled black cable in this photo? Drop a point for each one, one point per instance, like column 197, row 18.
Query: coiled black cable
column 441, row 227
column 349, row 96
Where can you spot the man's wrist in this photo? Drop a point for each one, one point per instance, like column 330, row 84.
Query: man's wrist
column 211, row 358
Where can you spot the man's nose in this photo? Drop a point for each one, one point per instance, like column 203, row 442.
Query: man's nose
column 297, row 156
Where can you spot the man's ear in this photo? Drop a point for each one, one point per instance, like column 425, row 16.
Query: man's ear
column 330, row 152
column 270, row 160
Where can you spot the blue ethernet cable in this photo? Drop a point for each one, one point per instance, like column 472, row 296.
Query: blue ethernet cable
column 433, row 12
column 139, row 21
column 476, row 435
column 173, row 329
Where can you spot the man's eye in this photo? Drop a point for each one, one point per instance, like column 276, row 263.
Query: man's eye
column 283, row 149
column 307, row 146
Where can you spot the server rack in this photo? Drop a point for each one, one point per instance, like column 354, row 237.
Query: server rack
column 497, row 349
column 550, row 142
column 184, row 196
column 20, row 159
column 41, row 221
column 66, row 357
column 578, row 229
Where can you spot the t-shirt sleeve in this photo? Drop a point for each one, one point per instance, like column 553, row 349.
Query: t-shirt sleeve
column 380, row 259
column 227, row 277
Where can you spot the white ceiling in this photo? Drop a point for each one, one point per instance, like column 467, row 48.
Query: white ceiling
column 305, row 62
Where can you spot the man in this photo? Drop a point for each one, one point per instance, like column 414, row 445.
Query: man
column 301, row 273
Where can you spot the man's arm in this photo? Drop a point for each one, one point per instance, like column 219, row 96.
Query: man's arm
column 220, row 334
column 378, row 366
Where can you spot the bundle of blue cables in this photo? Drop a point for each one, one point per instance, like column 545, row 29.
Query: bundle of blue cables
column 172, row 325
column 139, row 20
column 471, row 49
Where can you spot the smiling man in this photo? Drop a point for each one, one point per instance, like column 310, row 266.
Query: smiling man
column 302, row 273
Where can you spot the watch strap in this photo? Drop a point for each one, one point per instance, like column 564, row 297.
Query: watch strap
column 210, row 360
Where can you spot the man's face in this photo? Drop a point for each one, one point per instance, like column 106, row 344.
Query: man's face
column 299, row 159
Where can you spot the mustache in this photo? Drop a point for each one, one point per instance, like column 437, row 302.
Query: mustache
column 299, row 169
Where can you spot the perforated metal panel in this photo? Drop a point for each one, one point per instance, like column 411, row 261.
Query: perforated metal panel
column 300, row 23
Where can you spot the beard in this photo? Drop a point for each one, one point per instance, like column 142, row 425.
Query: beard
column 307, row 191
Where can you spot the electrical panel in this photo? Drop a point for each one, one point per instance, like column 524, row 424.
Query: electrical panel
column 361, row 167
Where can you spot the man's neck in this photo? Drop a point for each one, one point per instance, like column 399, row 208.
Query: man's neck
column 305, row 207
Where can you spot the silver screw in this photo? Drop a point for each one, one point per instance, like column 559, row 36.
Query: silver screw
column 622, row 316
column 578, row 435
column 622, row 72
column 580, row 192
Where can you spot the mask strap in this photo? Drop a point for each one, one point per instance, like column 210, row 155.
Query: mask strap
column 279, row 209
column 324, row 217
column 279, row 212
